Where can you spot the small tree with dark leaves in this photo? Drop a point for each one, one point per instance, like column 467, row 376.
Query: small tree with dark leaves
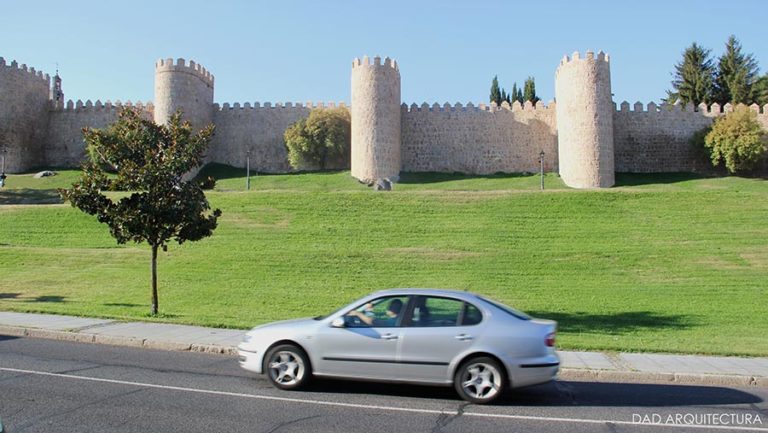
column 148, row 163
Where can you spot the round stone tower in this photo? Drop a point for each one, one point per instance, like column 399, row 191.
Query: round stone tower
column 24, row 114
column 188, row 87
column 376, row 119
column 585, row 121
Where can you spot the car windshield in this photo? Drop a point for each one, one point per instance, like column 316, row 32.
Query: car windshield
column 519, row 314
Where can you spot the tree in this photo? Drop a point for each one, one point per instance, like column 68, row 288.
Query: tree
column 693, row 76
column 319, row 139
column 760, row 90
column 504, row 96
column 738, row 140
column 736, row 73
column 519, row 96
column 529, row 92
column 147, row 162
column 495, row 92
column 513, row 95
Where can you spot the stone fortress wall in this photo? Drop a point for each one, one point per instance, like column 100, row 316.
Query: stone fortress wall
column 479, row 139
column 582, row 136
column 655, row 139
column 64, row 141
column 257, row 128
column 24, row 113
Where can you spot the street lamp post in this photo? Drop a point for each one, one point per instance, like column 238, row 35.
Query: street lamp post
column 541, row 168
column 2, row 170
column 248, row 170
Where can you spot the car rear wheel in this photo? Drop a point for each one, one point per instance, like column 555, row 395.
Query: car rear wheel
column 480, row 380
column 287, row 366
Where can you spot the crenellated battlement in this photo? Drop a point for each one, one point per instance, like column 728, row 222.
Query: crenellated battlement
column 88, row 105
column 492, row 107
column 703, row 109
column 589, row 56
column 181, row 65
column 15, row 67
column 366, row 62
column 278, row 105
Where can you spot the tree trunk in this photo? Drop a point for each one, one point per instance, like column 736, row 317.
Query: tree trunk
column 154, row 280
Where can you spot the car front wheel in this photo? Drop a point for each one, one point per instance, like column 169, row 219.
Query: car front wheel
column 480, row 380
column 287, row 366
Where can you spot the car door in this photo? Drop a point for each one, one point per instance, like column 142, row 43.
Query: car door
column 360, row 349
column 438, row 329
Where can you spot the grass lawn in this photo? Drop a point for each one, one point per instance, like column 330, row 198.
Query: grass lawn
column 663, row 263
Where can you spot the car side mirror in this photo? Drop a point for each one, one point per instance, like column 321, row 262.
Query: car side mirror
column 338, row 322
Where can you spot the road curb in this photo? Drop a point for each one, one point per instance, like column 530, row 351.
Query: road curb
column 115, row 340
column 580, row 375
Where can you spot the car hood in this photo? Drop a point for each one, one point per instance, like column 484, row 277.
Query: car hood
column 284, row 323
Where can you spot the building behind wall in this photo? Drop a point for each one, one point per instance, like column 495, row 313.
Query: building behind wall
column 585, row 136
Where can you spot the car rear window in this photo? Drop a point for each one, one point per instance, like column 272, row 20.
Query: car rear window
column 518, row 314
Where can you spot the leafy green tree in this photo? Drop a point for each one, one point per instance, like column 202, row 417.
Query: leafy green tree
column 529, row 92
column 321, row 138
column 738, row 140
column 760, row 90
column 693, row 77
column 736, row 74
column 148, row 162
column 495, row 91
column 504, row 96
column 519, row 96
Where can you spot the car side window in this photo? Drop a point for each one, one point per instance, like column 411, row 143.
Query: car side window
column 472, row 315
column 431, row 311
column 383, row 312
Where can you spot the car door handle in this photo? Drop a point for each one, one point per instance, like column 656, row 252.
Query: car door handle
column 389, row 337
column 463, row 337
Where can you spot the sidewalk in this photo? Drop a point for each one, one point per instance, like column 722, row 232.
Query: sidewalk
column 580, row 366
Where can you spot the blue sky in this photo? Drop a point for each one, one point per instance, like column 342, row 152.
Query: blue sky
column 302, row 50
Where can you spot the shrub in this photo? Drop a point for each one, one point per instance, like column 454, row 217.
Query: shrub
column 319, row 140
column 738, row 140
column 208, row 183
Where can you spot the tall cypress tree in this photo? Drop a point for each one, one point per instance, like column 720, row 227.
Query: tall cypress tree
column 736, row 73
column 513, row 95
column 495, row 92
column 529, row 92
column 503, row 95
column 693, row 77
column 519, row 96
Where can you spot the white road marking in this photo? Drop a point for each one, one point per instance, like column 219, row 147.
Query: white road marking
column 378, row 407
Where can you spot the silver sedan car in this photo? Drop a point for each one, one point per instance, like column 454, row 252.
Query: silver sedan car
column 424, row 336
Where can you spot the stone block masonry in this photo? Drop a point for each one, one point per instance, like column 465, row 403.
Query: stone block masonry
column 584, row 137
column 479, row 139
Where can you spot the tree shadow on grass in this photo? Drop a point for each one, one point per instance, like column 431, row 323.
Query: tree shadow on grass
column 9, row 295
column 617, row 323
column 29, row 196
column 122, row 304
column 223, row 171
column 50, row 298
column 637, row 179
column 434, row 177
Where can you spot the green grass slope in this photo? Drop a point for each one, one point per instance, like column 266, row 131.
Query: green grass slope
column 671, row 263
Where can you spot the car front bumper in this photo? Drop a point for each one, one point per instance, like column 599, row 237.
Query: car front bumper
column 251, row 361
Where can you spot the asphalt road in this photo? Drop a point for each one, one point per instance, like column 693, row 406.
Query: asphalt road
column 51, row 386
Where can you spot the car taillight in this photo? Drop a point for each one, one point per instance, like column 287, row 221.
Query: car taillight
column 550, row 340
